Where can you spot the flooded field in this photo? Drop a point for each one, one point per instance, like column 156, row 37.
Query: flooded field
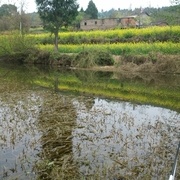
column 57, row 124
column 121, row 139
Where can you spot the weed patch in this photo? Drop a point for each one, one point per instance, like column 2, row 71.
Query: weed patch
column 86, row 59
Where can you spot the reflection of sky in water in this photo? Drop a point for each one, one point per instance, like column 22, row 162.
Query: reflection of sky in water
column 121, row 131
column 18, row 134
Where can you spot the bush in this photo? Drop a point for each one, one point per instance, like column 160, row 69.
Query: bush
column 103, row 58
column 59, row 59
column 15, row 48
column 90, row 58
column 15, row 43
column 138, row 59
column 36, row 56
column 84, row 59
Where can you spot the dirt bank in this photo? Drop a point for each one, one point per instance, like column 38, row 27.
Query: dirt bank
column 151, row 63
column 140, row 63
column 157, row 63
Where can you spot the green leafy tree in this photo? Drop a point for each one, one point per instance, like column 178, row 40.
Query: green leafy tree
column 175, row 2
column 57, row 13
column 10, row 18
column 92, row 10
column 35, row 20
column 7, row 10
column 76, row 23
column 169, row 15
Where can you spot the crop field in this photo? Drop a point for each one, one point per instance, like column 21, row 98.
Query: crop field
column 151, row 34
column 119, row 48
column 163, row 40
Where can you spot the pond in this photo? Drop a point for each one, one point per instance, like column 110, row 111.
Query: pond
column 79, row 124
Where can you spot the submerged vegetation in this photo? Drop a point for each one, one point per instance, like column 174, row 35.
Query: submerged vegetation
column 56, row 122
column 62, row 122
column 49, row 133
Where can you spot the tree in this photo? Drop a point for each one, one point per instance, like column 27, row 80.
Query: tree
column 175, row 2
column 169, row 15
column 76, row 23
column 11, row 19
column 92, row 10
column 8, row 10
column 57, row 13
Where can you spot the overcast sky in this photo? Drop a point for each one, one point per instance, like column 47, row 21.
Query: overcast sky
column 100, row 4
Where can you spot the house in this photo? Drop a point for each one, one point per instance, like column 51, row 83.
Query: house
column 108, row 23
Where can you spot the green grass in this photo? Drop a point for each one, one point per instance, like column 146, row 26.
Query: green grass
column 119, row 41
column 150, row 34
column 119, row 48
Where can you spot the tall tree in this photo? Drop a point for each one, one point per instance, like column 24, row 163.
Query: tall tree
column 175, row 2
column 10, row 18
column 92, row 10
column 76, row 23
column 8, row 10
column 57, row 13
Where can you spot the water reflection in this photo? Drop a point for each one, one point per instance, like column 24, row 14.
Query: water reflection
column 18, row 134
column 113, row 140
column 121, row 139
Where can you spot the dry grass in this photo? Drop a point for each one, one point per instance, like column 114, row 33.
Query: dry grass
column 158, row 63
column 56, row 122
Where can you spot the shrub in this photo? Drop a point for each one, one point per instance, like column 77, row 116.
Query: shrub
column 138, row 59
column 90, row 58
column 84, row 59
column 103, row 58
column 15, row 48
column 61, row 59
column 36, row 56
column 15, row 43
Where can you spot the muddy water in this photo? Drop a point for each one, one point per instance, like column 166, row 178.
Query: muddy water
column 121, row 139
column 18, row 134
column 47, row 133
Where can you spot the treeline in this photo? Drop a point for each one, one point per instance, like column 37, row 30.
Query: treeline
column 10, row 18
column 148, row 15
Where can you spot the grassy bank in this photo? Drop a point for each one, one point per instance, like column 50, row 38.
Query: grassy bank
column 30, row 49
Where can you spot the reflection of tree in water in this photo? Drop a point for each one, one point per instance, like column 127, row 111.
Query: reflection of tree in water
column 56, row 122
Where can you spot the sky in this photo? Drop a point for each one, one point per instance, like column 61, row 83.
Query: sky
column 100, row 4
